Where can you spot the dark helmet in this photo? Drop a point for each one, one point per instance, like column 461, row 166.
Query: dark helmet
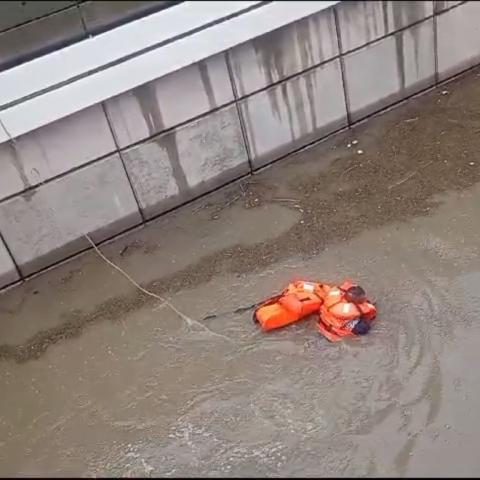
column 355, row 294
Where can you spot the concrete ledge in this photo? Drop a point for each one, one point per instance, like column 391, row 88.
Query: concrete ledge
column 47, row 225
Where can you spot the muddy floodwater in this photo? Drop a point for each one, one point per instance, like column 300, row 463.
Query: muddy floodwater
column 98, row 379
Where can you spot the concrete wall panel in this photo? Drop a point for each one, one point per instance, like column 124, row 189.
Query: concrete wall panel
column 54, row 149
column 8, row 272
column 294, row 113
column 47, row 224
column 179, row 165
column 416, row 49
column 390, row 69
column 170, row 100
column 286, row 51
column 458, row 39
column 364, row 22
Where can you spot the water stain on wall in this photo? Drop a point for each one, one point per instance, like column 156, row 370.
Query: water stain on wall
column 207, row 84
column 362, row 21
column 17, row 164
column 368, row 15
column 168, row 143
column 269, row 50
column 238, row 91
column 380, row 18
column 296, row 99
column 332, row 34
column 385, row 16
column 276, row 66
column 245, row 109
column 146, row 96
column 237, row 79
column 406, row 13
column 20, row 168
column 400, row 58
column 286, row 101
column 304, row 41
column 300, row 107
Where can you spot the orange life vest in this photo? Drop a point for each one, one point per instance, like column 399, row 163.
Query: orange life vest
column 338, row 317
column 297, row 301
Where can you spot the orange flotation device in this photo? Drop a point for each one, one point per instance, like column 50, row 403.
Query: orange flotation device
column 297, row 301
column 345, row 311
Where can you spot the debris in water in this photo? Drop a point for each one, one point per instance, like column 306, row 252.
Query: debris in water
column 403, row 180
column 349, row 169
column 164, row 302
column 148, row 468
column 285, row 199
column 342, row 311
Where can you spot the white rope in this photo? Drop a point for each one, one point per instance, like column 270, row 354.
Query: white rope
column 164, row 301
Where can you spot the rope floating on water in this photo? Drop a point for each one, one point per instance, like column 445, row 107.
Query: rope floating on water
column 189, row 321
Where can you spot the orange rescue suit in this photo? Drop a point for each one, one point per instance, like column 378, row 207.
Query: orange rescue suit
column 340, row 317
column 297, row 301
column 337, row 316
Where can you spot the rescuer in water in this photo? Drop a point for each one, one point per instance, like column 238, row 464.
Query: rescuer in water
column 342, row 310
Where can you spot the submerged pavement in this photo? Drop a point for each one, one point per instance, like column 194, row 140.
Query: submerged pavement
column 98, row 379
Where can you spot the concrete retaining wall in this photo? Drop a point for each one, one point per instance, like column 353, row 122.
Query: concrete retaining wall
column 112, row 166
